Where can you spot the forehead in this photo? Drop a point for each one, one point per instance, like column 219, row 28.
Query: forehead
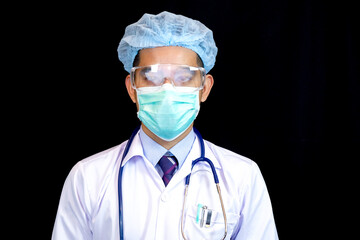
column 167, row 55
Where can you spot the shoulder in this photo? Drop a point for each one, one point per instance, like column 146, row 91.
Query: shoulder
column 243, row 173
column 228, row 157
column 102, row 160
column 234, row 164
column 93, row 172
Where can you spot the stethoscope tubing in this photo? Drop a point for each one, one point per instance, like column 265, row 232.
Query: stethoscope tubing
column 126, row 150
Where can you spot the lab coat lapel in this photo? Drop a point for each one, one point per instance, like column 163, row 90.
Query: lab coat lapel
column 135, row 150
column 195, row 153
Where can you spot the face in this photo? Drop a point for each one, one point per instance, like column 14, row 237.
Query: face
column 169, row 55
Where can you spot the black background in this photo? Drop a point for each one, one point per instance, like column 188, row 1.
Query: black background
column 286, row 95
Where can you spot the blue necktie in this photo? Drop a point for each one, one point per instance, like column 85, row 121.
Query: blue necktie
column 168, row 165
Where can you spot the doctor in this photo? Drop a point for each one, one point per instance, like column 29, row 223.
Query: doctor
column 168, row 57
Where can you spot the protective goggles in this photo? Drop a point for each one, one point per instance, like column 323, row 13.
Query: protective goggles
column 156, row 75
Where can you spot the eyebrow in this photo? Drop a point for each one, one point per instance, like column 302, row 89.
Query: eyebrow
column 145, row 70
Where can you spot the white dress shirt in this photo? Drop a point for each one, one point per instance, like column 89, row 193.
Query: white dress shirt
column 154, row 151
column 88, row 207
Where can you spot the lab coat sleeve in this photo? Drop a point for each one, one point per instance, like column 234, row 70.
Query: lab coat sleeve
column 256, row 218
column 73, row 218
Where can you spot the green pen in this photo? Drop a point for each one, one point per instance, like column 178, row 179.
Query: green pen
column 198, row 212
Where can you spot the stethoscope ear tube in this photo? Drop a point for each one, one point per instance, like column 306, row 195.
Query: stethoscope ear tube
column 126, row 150
column 129, row 143
column 202, row 158
column 216, row 179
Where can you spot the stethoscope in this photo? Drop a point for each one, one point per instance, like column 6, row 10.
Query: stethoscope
column 202, row 158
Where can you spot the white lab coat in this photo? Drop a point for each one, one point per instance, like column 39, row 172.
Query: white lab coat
column 88, row 207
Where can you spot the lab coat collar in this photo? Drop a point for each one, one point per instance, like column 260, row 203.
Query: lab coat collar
column 194, row 154
column 208, row 153
column 137, row 150
column 134, row 150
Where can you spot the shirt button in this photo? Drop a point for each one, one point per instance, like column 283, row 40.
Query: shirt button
column 165, row 197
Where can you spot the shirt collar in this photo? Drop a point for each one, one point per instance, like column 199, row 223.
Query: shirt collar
column 154, row 151
column 136, row 149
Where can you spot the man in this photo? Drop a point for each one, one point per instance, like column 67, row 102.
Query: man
column 137, row 190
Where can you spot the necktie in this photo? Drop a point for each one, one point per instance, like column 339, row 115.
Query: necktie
column 168, row 165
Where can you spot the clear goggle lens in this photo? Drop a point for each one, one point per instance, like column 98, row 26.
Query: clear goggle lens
column 178, row 75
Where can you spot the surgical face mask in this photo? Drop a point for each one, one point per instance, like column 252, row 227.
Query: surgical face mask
column 168, row 112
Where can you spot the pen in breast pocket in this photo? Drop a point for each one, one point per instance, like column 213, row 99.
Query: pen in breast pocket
column 203, row 215
column 198, row 212
column 208, row 218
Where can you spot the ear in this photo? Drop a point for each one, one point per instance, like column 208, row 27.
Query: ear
column 131, row 91
column 209, row 82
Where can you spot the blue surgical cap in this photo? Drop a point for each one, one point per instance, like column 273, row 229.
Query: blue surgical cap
column 167, row 29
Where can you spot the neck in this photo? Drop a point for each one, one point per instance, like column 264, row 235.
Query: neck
column 166, row 144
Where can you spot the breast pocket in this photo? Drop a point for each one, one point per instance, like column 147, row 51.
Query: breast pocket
column 208, row 223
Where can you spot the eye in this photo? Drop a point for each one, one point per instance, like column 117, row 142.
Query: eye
column 183, row 76
column 154, row 77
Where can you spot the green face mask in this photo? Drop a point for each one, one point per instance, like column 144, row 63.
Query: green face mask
column 168, row 112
